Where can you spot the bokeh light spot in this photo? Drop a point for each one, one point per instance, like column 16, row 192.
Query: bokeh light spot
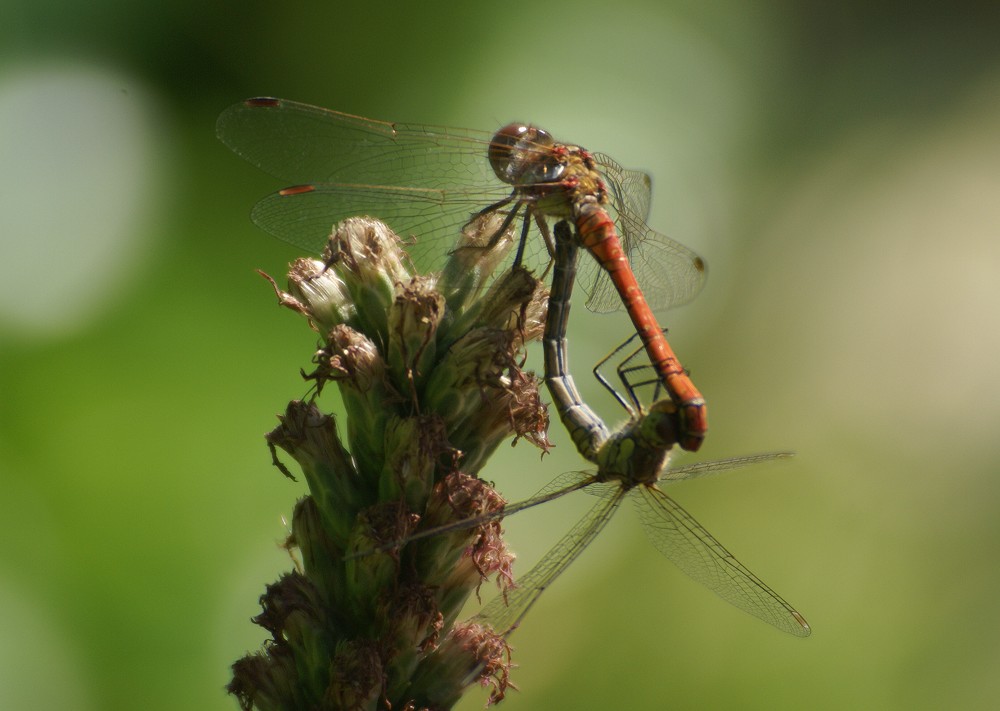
column 80, row 169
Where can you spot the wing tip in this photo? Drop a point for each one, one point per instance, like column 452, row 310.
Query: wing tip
column 803, row 630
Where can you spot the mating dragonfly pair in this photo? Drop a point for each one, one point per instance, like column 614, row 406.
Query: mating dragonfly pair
column 432, row 181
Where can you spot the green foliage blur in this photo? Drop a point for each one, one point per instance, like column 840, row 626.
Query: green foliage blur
column 837, row 168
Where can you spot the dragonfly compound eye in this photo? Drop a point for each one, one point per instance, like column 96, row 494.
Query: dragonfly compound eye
column 519, row 155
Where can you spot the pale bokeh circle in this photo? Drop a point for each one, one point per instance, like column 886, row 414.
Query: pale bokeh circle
column 81, row 166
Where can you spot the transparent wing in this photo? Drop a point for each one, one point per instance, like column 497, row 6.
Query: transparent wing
column 675, row 533
column 668, row 273
column 700, row 469
column 304, row 216
column 299, row 143
column 505, row 614
column 630, row 189
column 560, row 486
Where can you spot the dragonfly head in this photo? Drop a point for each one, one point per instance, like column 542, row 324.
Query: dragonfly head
column 657, row 427
column 523, row 155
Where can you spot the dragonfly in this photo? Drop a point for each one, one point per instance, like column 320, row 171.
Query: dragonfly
column 631, row 463
column 431, row 181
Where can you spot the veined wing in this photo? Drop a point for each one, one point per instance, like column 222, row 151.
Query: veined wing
column 716, row 466
column 631, row 190
column 691, row 548
column 563, row 484
column 504, row 613
column 299, row 143
column 305, row 215
column 668, row 273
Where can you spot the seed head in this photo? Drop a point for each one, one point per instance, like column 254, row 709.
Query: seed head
column 429, row 372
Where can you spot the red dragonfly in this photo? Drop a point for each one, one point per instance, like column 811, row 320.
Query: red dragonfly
column 433, row 180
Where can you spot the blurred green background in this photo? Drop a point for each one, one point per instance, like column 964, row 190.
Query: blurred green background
column 838, row 168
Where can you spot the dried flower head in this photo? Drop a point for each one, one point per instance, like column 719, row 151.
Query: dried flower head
column 428, row 368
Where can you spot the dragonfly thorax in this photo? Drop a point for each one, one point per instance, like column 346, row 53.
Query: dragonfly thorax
column 638, row 453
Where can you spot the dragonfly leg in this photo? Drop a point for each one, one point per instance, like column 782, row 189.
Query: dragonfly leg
column 627, row 372
column 632, row 411
column 612, row 389
column 504, row 226
column 627, row 375
column 543, row 229
column 525, row 226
